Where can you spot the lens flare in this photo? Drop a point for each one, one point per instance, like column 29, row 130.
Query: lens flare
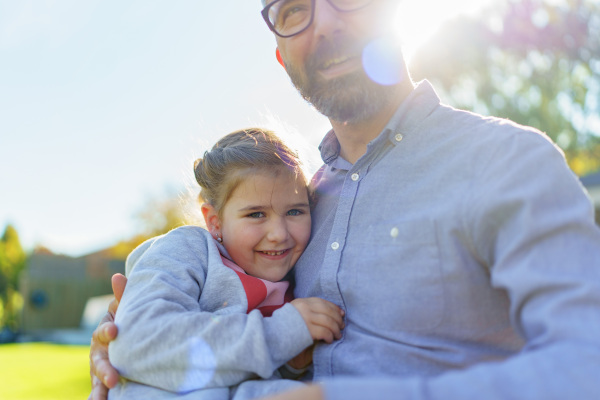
column 382, row 61
column 202, row 364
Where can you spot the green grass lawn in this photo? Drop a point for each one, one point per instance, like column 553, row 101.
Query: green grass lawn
column 41, row 371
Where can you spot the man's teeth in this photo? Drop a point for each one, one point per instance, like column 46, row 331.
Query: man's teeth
column 334, row 61
column 274, row 253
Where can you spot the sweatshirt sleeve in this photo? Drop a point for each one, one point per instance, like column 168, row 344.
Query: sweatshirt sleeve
column 168, row 341
column 531, row 223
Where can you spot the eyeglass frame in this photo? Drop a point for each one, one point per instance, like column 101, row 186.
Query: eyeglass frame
column 265, row 15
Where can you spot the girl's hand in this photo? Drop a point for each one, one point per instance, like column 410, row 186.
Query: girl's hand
column 323, row 319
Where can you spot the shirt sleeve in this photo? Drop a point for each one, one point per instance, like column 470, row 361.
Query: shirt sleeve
column 531, row 223
column 167, row 341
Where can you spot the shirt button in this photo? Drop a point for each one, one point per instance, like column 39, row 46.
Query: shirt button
column 335, row 245
column 394, row 232
column 354, row 177
column 398, row 137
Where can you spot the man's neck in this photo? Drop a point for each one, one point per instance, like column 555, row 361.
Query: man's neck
column 355, row 137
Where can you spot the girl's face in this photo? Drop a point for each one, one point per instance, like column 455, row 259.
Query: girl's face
column 265, row 224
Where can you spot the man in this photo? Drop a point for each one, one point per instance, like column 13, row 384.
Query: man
column 462, row 249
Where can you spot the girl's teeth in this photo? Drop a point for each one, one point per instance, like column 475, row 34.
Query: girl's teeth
column 274, row 253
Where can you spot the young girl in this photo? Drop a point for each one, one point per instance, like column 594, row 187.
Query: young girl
column 205, row 311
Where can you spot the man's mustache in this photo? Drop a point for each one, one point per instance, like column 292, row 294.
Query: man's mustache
column 331, row 49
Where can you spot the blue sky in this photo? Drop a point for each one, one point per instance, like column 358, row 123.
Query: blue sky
column 105, row 104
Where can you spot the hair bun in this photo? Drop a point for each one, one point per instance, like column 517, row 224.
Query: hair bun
column 198, row 170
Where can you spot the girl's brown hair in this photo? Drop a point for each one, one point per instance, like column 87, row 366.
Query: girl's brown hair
column 235, row 156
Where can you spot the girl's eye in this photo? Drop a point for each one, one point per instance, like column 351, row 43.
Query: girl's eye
column 258, row 214
column 295, row 212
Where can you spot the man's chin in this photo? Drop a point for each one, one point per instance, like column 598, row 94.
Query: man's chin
column 347, row 99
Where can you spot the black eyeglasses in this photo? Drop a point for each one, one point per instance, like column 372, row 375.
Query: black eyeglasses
column 290, row 17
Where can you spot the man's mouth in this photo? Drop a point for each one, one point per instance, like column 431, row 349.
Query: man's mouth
column 334, row 61
column 338, row 66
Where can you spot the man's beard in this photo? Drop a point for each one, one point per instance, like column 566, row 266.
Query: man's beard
column 350, row 98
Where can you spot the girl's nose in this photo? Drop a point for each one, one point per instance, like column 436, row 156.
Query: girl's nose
column 278, row 231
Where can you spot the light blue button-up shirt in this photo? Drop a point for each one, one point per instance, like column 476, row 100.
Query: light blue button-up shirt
column 464, row 252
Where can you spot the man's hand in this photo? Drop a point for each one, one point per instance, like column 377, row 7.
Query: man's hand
column 309, row 392
column 102, row 373
column 302, row 360
column 323, row 318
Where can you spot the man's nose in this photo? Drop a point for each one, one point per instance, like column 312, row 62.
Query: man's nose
column 327, row 21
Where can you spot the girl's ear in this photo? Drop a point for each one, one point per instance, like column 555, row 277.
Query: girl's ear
column 211, row 218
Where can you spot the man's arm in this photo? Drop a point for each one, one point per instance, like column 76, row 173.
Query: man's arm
column 102, row 373
column 309, row 392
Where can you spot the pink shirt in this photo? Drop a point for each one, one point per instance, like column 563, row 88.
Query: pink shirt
column 266, row 296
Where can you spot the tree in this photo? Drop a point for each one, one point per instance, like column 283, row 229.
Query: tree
column 533, row 61
column 157, row 217
column 12, row 262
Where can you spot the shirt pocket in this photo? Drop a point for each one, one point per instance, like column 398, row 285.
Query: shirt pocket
column 393, row 275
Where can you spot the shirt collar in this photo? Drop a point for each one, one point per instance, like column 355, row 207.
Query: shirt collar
column 329, row 147
column 414, row 109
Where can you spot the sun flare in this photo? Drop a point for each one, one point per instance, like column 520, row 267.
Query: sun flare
column 417, row 20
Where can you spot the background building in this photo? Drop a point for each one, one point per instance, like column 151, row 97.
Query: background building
column 56, row 288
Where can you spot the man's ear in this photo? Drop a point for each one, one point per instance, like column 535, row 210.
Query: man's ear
column 279, row 58
column 211, row 218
